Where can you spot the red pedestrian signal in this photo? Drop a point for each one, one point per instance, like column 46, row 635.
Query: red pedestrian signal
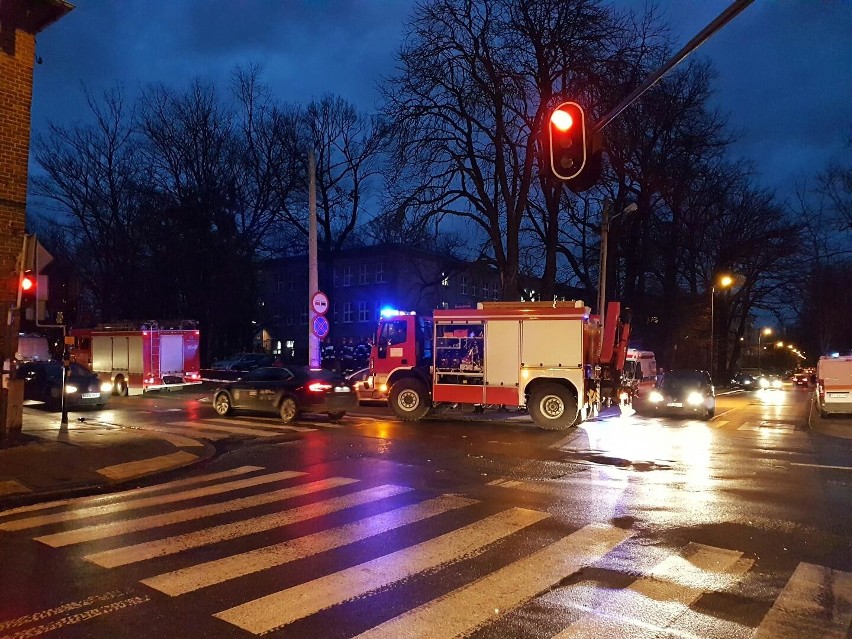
column 567, row 138
column 28, row 282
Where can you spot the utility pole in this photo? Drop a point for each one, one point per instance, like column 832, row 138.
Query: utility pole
column 314, row 358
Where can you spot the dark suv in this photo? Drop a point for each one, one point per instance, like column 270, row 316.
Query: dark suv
column 685, row 392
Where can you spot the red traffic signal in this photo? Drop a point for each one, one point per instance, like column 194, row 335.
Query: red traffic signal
column 567, row 137
column 28, row 282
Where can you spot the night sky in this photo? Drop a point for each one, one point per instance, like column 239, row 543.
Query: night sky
column 784, row 66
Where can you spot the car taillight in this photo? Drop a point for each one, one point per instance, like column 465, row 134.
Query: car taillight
column 318, row 387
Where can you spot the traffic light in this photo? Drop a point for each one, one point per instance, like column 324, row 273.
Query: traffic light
column 567, row 140
column 28, row 283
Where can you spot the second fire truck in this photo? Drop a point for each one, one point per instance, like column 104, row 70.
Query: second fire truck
column 554, row 358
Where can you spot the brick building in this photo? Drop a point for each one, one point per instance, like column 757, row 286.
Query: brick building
column 20, row 21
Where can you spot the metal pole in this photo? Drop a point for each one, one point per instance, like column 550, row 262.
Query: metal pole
column 314, row 358
column 759, row 334
column 712, row 327
column 726, row 16
column 602, row 273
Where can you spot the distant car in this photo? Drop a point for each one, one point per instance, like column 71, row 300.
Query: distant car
column 684, row 392
column 367, row 393
column 43, row 383
column 746, row 380
column 770, row 381
column 243, row 362
column 804, row 378
column 287, row 391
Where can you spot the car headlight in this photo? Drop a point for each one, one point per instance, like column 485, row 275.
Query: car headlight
column 764, row 383
column 748, row 381
column 106, row 387
column 70, row 388
column 776, row 383
column 695, row 398
column 655, row 396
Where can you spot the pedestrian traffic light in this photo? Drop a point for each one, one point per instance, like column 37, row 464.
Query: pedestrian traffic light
column 28, row 283
column 567, row 138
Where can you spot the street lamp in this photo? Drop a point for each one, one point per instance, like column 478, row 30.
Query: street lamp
column 605, row 221
column 724, row 281
column 764, row 331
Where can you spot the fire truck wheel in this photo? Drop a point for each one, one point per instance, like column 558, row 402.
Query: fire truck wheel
column 222, row 404
column 288, row 410
column 409, row 399
column 119, row 387
column 552, row 407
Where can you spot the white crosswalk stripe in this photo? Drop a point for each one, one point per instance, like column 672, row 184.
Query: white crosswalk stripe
column 472, row 606
column 276, row 424
column 103, row 531
column 816, row 602
column 280, row 608
column 214, row 572
column 172, row 545
column 93, row 511
column 662, row 596
column 234, row 430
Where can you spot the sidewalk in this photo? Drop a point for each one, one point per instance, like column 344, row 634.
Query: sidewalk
column 87, row 456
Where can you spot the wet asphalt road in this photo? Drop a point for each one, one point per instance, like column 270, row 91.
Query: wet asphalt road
column 629, row 526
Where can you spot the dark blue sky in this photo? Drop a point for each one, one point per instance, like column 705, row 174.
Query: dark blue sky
column 784, row 65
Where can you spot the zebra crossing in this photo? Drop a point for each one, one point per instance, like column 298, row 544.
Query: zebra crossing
column 464, row 540
column 216, row 429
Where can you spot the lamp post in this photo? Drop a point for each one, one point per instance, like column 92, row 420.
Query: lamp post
column 605, row 221
column 764, row 331
column 724, row 281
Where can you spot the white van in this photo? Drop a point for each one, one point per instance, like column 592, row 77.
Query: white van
column 834, row 385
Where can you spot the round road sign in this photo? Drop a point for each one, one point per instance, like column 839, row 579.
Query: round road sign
column 320, row 326
column 319, row 302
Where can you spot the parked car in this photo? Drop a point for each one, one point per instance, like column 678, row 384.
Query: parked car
column 43, row 383
column 364, row 388
column 287, row 391
column 243, row 362
column 684, row 392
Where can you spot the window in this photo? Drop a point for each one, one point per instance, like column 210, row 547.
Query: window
column 362, row 273
column 336, row 278
column 347, row 313
column 363, row 316
column 279, row 284
column 393, row 333
column 347, row 276
column 380, row 273
column 463, row 286
column 473, row 288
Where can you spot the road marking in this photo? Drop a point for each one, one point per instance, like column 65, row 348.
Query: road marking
column 218, row 571
column 822, row 466
column 764, row 426
column 816, row 602
column 245, row 422
column 242, row 470
column 234, row 430
column 173, row 545
column 467, row 608
column 187, row 432
column 663, row 595
column 720, row 423
column 103, row 531
column 12, row 487
column 280, row 608
column 179, row 440
column 142, row 467
column 133, row 504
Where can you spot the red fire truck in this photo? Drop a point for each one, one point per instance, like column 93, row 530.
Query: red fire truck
column 140, row 356
column 552, row 357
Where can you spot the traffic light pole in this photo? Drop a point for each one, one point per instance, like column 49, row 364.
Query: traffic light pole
column 724, row 18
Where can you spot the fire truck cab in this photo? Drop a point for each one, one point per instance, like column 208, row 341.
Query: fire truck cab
column 136, row 357
column 553, row 358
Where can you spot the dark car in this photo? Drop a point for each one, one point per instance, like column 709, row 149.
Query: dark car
column 43, row 383
column 746, row 379
column 685, row 392
column 804, row 378
column 288, row 391
column 243, row 362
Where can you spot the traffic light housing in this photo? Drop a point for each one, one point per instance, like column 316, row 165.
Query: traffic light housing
column 567, row 140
